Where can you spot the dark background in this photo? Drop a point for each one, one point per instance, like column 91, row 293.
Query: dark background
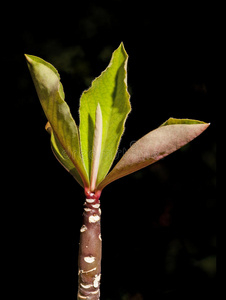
column 159, row 224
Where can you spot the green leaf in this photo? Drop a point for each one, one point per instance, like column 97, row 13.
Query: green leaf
column 110, row 91
column 51, row 95
column 170, row 136
column 61, row 155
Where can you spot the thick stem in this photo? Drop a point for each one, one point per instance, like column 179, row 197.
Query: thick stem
column 90, row 248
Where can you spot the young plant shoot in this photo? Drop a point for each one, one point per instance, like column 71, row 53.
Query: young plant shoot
column 88, row 151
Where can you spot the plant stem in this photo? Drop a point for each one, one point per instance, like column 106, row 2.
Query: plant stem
column 90, row 250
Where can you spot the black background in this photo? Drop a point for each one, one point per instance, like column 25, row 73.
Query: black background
column 159, row 224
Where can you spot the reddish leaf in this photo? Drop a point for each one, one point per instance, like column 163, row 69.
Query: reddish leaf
column 170, row 136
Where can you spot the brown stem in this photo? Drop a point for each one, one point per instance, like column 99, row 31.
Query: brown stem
column 90, row 246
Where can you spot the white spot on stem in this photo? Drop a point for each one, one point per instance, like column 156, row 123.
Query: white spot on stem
column 94, row 219
column 96, row 281
column 100, row 237
column 95, row 292
column 89, row 259
column 87, row 209
column 86, row 286
column 85, row 272
column 83, row 228
column 96, row 205
column 81, row 297
column 90, row 200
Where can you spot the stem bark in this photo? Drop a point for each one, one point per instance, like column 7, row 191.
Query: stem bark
column 90, row 251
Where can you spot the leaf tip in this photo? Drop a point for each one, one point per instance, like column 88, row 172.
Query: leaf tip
column 48, row 128
column 28, row 58
column 123, row 50
column 122, row 45
column 204, row 124
column 207, row 125
column 98, row 109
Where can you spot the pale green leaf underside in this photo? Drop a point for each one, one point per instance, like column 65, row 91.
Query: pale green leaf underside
column 110, row 91
column 170, row 136
column 97, row 141
column 51, row 96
